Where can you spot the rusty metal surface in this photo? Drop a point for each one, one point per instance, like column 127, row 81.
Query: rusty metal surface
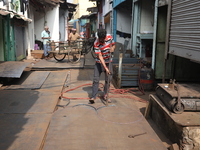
column 184, row 119
column 54, row 64
column 83, row 126
column 28, row 101
column 34, row 81
column 55, row 81
column 25, row 114
column 186, row 90
column 23, row 131
column 12, row 69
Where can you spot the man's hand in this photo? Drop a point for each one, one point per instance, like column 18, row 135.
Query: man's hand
column 112, row 49
column 107, row 70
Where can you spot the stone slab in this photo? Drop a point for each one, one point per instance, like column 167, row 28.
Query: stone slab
column 28, row 101
column 23, row 131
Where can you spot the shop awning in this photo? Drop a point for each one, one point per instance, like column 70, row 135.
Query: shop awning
column 84, row 17
column 92, row 15
column 92, row 9
column 13, row 14
column 4, row 13
column 23, row 18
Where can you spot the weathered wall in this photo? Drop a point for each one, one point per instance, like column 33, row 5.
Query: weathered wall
column 30, row 30
column 49, row 18
column 62, row 25
column 1, row 41
column 19, row 42
column 106, row 10
column 108, row 28
column 124, row 20
column 160, row 47
column 147, row 16
column 39, row 23
column 82, row 6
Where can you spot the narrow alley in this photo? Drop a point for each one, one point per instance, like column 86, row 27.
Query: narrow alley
column 52, row 96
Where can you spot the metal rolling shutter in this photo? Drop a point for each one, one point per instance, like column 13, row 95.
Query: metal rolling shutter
column 184, row 38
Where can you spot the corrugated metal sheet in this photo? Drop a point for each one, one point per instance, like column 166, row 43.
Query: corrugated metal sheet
column 184, row 40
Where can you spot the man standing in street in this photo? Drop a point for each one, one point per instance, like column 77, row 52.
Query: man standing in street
column 103, row 46
column 46, row 37
column 73, row 36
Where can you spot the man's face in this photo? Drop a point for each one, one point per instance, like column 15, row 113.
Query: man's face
column 46, row 29
column 101, row 40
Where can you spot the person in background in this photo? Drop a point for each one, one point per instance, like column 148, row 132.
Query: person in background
column 101, row 25
column 82, row 34
column 93, row 34
column 46, row 37
column 73, row 36
column 103, row 46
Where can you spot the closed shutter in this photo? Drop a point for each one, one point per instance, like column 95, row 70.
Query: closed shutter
column 184, row 38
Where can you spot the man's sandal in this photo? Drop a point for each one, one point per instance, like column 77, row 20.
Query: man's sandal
column 105, row 99
column 109, row 101
column 92, row 100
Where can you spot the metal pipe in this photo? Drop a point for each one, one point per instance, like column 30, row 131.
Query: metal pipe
column 167, row 39
column 154, row 34
column 135, row 15
column 120, row 70
column 167, row 28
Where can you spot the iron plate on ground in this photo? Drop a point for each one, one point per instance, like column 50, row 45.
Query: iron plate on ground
column 12, row 69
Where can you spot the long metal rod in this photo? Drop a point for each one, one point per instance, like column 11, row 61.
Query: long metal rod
column 120, row 70
column 167, row 39
column 155, row 34
column 135, row 25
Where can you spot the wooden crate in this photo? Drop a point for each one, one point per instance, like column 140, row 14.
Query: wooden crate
column 37, row 54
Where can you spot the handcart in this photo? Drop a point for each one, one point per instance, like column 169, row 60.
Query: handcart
column 73, row 49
